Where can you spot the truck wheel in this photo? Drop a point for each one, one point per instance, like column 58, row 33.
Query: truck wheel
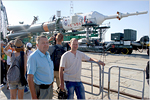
column 148, row 51
column 117, row 51
column 125, row 51
column 112, row 50
column 130, row 51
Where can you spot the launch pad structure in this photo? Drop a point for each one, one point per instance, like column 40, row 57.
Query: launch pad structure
column 88, row 28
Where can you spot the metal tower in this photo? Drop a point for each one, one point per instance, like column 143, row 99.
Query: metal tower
column 71, row 8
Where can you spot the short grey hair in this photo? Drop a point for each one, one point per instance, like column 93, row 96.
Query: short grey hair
column 38, row 38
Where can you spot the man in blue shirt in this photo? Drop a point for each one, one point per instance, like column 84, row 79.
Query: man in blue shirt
column 40, row 71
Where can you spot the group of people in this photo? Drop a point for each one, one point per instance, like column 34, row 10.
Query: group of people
column 12, row 53
column 46, row 63
column 40, row 67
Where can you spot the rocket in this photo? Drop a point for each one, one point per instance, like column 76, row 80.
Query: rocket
column 74, row 22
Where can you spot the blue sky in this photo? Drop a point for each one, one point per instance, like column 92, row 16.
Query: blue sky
column 25, row 10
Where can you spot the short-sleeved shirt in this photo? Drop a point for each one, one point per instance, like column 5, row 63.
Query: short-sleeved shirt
column 72, row 65
column 41, row 66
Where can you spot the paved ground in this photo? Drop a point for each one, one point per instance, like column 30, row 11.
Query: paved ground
column 135, row 60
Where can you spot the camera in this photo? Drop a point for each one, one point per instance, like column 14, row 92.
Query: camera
column 62, row 94
column 54, row 41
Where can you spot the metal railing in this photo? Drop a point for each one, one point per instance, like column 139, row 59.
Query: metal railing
column 99, row 86
column 119, row 76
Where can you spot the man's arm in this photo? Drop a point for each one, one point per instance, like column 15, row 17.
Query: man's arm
column 51, row 38
column 31, row 86
column 98, row 61
column 61, row 78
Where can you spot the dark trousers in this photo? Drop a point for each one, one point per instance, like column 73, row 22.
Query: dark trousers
column 44, row 93
column 5, row 70
column 2, row 72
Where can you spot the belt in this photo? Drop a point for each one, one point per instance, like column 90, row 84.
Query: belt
column 48, row 84
column 45, row 86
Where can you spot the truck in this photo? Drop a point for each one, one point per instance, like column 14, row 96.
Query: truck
column 123, row 43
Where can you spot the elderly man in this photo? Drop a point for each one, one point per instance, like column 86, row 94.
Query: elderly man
column 40, row 71
column 70, row 70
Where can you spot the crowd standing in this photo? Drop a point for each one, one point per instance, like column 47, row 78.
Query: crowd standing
column 16, row 85
column 40, row 67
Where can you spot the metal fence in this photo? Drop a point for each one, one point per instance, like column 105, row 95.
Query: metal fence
column 101, row 81
column 91, row 84
column 119, row 77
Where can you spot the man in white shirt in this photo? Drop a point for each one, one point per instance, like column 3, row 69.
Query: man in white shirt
column 70, row 70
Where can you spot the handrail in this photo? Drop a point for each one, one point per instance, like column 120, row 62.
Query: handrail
column 100, row 87
column 142, row 70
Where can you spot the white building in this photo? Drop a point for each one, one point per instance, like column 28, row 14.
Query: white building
column 3, row 21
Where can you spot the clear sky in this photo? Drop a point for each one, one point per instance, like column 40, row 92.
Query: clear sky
column 25, row 10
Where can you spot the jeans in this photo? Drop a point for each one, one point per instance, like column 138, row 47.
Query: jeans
column 77, row 87
column 16, row 86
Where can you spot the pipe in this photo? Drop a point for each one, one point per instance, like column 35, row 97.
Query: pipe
column 112, row 90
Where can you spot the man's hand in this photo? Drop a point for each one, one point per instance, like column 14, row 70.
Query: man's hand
column 61, row 86
column 51, row 38
column 98, row 61
column 101, row 63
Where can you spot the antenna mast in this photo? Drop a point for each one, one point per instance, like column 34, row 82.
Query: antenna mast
column 71, row 8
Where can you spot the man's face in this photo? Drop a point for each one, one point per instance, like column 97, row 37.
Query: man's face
column 43, row 45
column 74, row 45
